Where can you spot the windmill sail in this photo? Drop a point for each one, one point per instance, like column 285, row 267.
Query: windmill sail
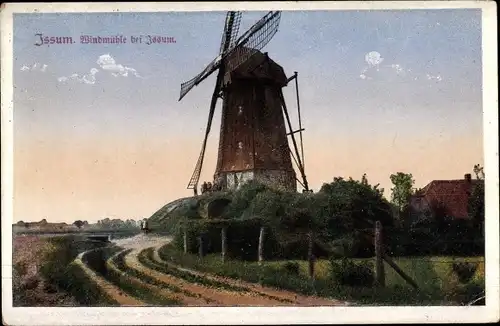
column 254, row 39
column 228, row 41
column 187, row 86
column 228, row 36
column 193, row 182
column 231, row 29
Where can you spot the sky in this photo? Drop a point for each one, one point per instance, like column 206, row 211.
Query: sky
column 99, row 131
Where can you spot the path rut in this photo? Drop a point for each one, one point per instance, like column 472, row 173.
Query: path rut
column 297, row 299
column 218, row 297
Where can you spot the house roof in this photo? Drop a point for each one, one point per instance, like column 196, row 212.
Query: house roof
column 452, row 195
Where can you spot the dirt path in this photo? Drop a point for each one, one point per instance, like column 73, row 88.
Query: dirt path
column 111, row 290
column 217, row 297
column 256, row 295
column 158, row 291
column 297, row 299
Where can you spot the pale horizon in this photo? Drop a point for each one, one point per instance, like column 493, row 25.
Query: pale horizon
column 99, row 145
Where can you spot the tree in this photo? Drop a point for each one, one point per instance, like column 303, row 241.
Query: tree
column 476, row 203
column 402, row 190
column 354, row 201
column 479, row 172
column 78, row 223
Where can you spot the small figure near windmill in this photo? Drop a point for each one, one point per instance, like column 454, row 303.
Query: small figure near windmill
column 253, row 142
column 145, row 226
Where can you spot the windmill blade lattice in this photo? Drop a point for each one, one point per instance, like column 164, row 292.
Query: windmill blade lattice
column 254, row 40
column 187, row 86
column 231, row 29
column 193, row 182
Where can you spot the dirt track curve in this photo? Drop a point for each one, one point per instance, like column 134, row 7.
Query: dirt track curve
column 189, row 291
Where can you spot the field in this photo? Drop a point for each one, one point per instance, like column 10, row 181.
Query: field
column 147, row 270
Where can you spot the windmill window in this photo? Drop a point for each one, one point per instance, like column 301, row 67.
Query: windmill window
column 240, row 145
column 240, row 110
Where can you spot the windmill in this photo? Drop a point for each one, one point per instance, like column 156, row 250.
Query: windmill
column 253, row 140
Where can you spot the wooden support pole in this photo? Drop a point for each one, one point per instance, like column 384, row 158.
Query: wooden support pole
column 379, row 262
column 224, row 242
column 291, row 78
column 295, row 131
column 300, row 120
column 261, row 245
column 399, row 271
column 301, row 167
column 185, row 241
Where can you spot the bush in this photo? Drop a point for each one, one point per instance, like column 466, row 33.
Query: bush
column 291, row 267
column 21, row 268
column 349, row 273
column 464, row 293
column 60, row 271
column 464, row 271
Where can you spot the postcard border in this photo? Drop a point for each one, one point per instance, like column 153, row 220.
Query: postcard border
column 254, row 315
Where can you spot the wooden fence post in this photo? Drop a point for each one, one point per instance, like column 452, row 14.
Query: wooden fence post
column 185, row 241
column 261, row 245
column 200, row 246
column 379, row 256
column 310, row 255
column 224, row 242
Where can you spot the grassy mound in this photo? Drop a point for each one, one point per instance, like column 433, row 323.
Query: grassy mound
column 335, row 211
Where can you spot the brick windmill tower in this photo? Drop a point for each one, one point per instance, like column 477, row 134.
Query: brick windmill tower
column 253, row 142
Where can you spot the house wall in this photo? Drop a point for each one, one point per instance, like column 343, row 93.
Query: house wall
column 419, row 210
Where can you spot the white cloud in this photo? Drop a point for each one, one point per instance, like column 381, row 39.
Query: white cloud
column 436, row 77
column 86, row 79
column 374, row 60
column 108, row 63
column 34, row 67
column 398, row 68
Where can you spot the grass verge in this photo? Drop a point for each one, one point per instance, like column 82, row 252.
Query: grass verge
column 270, row 274
column 59, row 270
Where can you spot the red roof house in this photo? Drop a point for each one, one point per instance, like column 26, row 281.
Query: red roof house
column 450, row 197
